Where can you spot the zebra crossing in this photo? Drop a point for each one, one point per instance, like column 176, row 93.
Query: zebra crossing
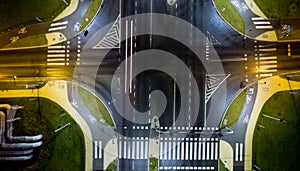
column 265, row 60
column 262, row 23
column 185, row 168
column 133, row 148
column 58, row 26
column 98, row 149
column 239, row 149
column 58, row 55
column 189, row 149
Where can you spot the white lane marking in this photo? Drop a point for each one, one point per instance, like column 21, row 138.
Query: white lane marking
column 126, row 45
column 268, row 58
column 59, row 23
column 241, row 151
column 257, row 18
column 57, row 28
column 131, row 52
column 236, row 151
column 96, row 149
column 264, row 27
column 261, row 22
column 57, row 47
column 216, row 150
column 55, row 55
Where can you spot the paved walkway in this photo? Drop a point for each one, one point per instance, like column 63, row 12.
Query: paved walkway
column 57, row 92
column 265, row 91
column 226, row 154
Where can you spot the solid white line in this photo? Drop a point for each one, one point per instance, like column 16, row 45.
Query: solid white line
column 55, row 59
column 57, row 47
column 133, row 149
column 126, row 45
column 267, row 62
column 138, row 149
column 216, row 150
column 257, row 18
column 96, row 149
column 131, row 51
column 236, row 151
column 169, row 150
column 56, row 51
column 261, row 22
column 165, row 150
column 186, row 150
column 59, row 23
column 125, row 150
column 199, row 150
column 263, row 27
column 195, row 149
column 203, row 150
column 207, row 152
column 182, row 151
column 265, row 75
column 146, row 149
column 241, row 152
column 142, row 149
column 212, row 151
column 55, row 55
column 55, row 64
column 174, row 150
column 100, row 149
column 268, row 50
column 191, row 151
column 267, row 66
column 268, row 57
column 57, row 28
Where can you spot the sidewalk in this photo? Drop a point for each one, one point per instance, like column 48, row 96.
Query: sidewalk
column 264, row 92
column 69, row 10
column 57, row 92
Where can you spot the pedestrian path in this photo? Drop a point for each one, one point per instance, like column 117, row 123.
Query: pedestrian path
column 265, row 60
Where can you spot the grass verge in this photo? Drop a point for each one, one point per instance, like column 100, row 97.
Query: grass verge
column 279, row 9
column 63, row 150
column 222, row 166
column 90, row 13
column 276, row 143
column 234, row 110
column 231, row 15
column 22, row 12
column 31, row 41
column 96, row 107
column 112, row 166
column 153, row 164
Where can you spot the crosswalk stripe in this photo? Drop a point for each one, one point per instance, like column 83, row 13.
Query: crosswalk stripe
column 57, row 47
column 129, row 149
column 186, row 150
column 59, row 23
column 55, row 59
column 257, row 18
column 146, row 150
column 191, row 151
column 236, row 151
column 268, row 49
column 96, row 149
column 267, row 66
column 100, row 149
column 55, row 55
column 216, row 150
column 169, row 150
column 264, row 27
column 125, row 150
column 133, row 149
column 56, row 51
column 195, row 149
column 120, row 149
column 261, row 22
column 267, row 62
column 268, row 58
column 165, row 150
column 212, row 151
column 203, row 150
column 182, row 151
column 199, row 150
column 51, row 64
column 174, row 150
column 142, row 149
column 137, row 149
column 266, row 75
column 207, row 152
column 241, row 152
column 57, row 28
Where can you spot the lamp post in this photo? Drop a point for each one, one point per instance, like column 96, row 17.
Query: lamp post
column 15, row 77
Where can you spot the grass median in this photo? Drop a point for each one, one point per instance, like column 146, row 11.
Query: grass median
column 22, row 12
column 96, row 107
column 234, row 110
column 90, row 13
column 62, row 150
column 276, row 139
column 31, row 41
column 231, row 15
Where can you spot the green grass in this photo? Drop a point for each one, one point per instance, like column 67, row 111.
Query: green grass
column 153, row 164
column 95, row 106
column 231, row 15
column 233, row 112
column 276, row 144
column 112, row 166
column 35, row 40
column 280, row 9
column 63, row 150
column 23, row 12
column 90, row 13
